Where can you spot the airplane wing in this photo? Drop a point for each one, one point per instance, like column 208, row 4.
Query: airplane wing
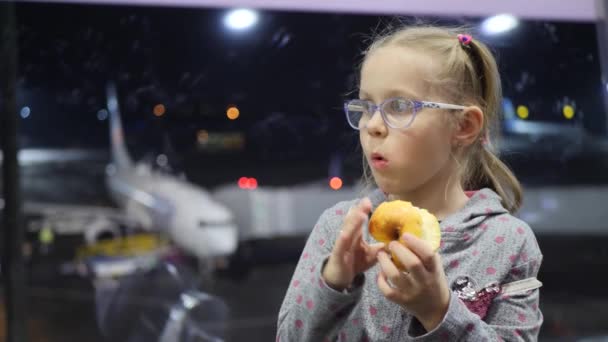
column 69, row 219
column 53, row 209
column 36, row 156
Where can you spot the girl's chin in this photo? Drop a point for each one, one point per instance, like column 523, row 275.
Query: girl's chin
column 386, row 184
column 390, row 185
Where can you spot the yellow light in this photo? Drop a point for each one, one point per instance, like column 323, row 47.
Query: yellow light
column 233, row 113
column 335, row 183
column 523, row 112
column 568, row 112
column 159, row 110
column 202, row 137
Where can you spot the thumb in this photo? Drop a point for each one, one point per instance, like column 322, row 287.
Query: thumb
column 376, row 247
column 372, row 251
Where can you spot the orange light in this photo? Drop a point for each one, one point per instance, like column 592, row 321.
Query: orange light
column 233, row 113
column 202, row 136
column 335, row 183
column 159, row 110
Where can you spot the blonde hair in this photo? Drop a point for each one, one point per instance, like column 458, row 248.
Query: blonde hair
column 470, row 76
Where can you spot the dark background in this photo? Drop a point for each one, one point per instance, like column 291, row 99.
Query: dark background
column 288, row 76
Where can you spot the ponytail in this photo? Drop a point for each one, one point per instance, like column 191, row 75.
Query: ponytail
column 489, row 171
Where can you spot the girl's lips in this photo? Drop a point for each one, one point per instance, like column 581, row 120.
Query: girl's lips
column 379, row 164
column 378, row 161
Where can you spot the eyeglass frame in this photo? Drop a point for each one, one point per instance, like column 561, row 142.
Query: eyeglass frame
column 417, row 106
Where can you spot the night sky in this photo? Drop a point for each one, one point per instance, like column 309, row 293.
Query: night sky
column 288, row 76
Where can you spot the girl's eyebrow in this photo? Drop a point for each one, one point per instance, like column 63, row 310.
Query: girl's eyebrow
column 363, row 94
column 395, row 92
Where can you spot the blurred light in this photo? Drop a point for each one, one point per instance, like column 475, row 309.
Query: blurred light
column 159, row 110
column 162, row 160
column 243, row 182
column 498, row 24
column 25, row 112
column 188, row 301
column 523, row 112
column 248, row 183
column 202, row 137
column 568, row 112
column 220, row 141
column 102, row 114
column 234, row 141
column 252, row 183
column 1, row 203
column 46, row 236
column 335, row 183
column 508, row 108
column 113, row 104
column 240, row 19
column 233, row 113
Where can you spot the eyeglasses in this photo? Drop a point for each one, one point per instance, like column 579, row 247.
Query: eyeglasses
column 396, row 112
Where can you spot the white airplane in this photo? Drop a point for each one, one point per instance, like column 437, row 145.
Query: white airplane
column 186, row 212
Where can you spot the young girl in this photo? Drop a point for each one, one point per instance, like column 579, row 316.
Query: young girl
column 428, row 100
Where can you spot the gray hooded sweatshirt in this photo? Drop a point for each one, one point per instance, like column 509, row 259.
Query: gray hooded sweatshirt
column 491, row 260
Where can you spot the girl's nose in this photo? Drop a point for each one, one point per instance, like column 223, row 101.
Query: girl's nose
column 376, row 125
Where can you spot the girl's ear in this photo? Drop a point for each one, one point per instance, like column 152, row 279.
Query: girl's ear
column 468, row 127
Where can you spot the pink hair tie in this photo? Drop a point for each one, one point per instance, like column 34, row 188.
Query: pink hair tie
column 465, row 39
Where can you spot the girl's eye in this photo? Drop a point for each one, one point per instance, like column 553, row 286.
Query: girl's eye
column 399, row 106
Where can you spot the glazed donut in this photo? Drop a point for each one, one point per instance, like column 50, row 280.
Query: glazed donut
column 392, row 219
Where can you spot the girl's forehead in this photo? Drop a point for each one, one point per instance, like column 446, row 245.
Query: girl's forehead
column 396, row 71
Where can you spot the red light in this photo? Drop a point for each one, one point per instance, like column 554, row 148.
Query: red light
column 335, row 183
column 243, row 182
column 248, row 183
column 252, row 183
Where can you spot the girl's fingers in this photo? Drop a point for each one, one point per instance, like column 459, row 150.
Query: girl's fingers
column 386, row 289
column 357, row 236
column 346, row 236
column 391, row 271
column 365, row 205
column 371, row 252
column 410, row 261
column 421, row 249
column 351, row 228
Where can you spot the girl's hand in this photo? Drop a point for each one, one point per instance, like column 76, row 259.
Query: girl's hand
column 423, row 289
column 351, row 255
